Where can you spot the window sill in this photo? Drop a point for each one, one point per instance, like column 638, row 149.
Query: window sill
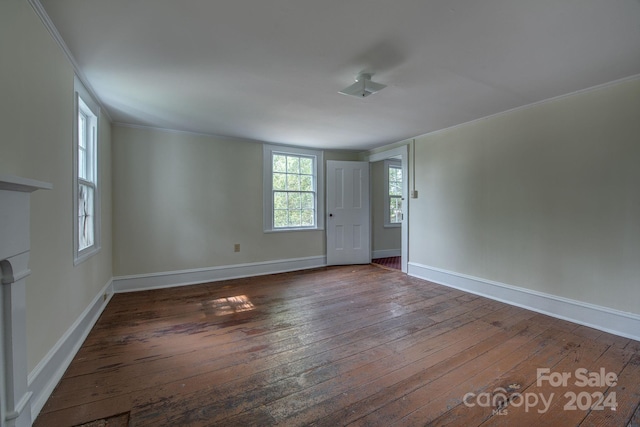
column 85, row 254
column 280, row 230
column 398, row 225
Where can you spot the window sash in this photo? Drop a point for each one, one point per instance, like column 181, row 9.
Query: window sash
column 292, row 188
column 87, row 137
column 86, row 216
column 393, row 194
column 395, row 185
column 395, row 209
column 293, row 177
column 299, row 213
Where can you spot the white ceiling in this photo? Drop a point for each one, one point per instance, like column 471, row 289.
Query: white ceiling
column 270, row 70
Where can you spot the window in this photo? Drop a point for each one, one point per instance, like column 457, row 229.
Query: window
column 292, row 189
column 85, row 183
column 393, row 196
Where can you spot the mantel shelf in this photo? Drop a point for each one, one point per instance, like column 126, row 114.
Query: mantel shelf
column 25, row 185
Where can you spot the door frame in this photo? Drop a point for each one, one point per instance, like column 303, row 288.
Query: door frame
column 402, row 152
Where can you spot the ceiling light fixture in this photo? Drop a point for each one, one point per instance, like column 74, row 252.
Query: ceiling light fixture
column 363, row 86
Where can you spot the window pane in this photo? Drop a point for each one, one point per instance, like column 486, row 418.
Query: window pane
column 306, row 165
column 395, row 173
column 395, row 189
column 293, row 182
column 82, row 163
column 307, row 201
column 307, row 218
column 85, row 216
column 293, row 164
column 280, row 218
column 279, row 163
column 279, row 200
column 306, row 183
column 295, row 218
column 91, row 151
column 294, row 201
column 82, row 130
column 279, row 181
column 83, row 159
column 395, row 210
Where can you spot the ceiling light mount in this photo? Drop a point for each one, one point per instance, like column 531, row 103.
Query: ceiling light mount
column 363, row 86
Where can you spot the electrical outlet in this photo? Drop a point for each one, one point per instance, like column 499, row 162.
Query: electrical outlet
column 236, row 247
column 414, row 194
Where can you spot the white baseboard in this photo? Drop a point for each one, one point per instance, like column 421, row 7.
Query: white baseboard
column 46, row 375
column 602, row 318
column 170, row 279
column 386, row 253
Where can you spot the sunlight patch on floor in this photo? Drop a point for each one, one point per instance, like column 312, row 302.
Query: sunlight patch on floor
column 229, row 305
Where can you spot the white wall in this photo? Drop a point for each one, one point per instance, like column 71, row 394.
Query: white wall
column 182, row 200
column 36, row 112
column 383, row 239
column 545, row 198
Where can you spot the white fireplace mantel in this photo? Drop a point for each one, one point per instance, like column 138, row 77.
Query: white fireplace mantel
column 15, row 194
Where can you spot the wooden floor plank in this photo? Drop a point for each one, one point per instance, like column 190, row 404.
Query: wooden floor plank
column 506, row 386
column 406, row 355
column 358, row 345
column 428, row 401
column 582, row 352
column 635, row 419
column 418, row 363
column 627, row 396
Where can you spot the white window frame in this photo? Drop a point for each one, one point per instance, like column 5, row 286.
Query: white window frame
column 387, row 198
column 85, row 105
column 267, row 180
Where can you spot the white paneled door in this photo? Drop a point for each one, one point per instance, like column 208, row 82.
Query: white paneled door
column 348, row 234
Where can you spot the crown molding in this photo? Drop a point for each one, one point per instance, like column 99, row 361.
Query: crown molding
column 44, row 17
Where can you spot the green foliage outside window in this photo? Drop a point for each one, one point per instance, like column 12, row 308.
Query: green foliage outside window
column 293, row 191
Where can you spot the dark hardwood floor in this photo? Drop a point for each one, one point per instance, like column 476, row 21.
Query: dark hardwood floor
column 356, row 345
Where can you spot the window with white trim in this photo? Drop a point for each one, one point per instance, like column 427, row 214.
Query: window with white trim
column 86, row 190
column 292, row 189
column 393, row 194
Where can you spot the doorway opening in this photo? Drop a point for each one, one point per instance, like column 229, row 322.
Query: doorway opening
column 390, row 208
column 392, row 263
